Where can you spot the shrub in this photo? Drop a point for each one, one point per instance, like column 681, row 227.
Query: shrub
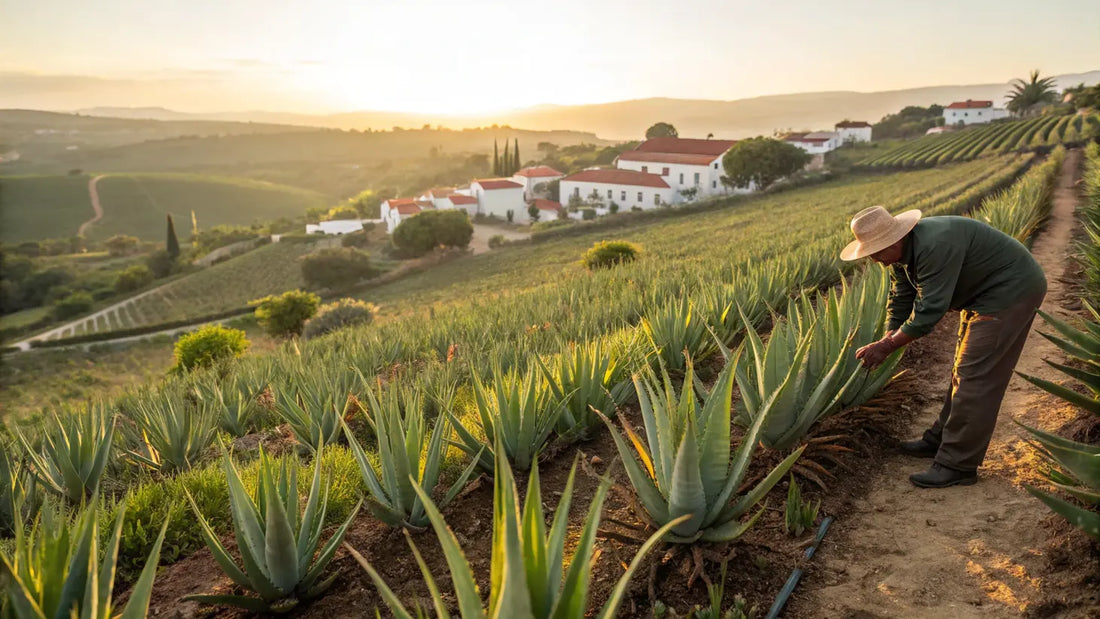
column 121, row 245
column 133, row 278
column 284, row 315
column 335, row 268
column 341, row 212
column 359, row 238
column 160, row 263
column 75, row 304
column 610, row 253
column 342, row 313
column 497, row 240
column 209, row 345
column 587, row 213
column 422, row 233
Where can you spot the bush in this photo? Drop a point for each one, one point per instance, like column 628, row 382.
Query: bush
column 587, row 213
column 336, row 267
column 122, row 245
column 496, row 240
column 210, row 239
column 610, row 253
column 422, row 233
column 342, row 313
column 285, row 315
column 208, row 345
column 75, row 304
column 133, row 278
column 359, row 238
column 160, row 263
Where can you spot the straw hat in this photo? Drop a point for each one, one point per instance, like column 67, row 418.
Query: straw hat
column 876, row 229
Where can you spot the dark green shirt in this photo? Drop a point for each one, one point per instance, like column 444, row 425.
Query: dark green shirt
column 958, row 263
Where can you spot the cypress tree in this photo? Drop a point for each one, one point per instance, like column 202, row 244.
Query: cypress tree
column 515, row 151
column 496, row 159
column 506, row 161
column 172, row 244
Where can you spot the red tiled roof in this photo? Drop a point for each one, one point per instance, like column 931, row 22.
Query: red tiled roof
column 406, row 208
column 425, row 204
column 547, row 205
column 497, row 183
column 686, row 146
column 538, row 172
column 458, row 198
column 969, row 104
column 618, row 177
column 852, row 124
column 803, row 137
column 441, row 192
column 395, row 202
column 636, row 155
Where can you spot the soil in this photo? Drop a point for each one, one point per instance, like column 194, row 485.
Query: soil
column 988, row 550
column 893, row 551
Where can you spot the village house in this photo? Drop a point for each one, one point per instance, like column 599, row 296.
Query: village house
column 458, row 201
column 972, row 112
column 626, row 188
column 335, row 226
column 496, row 197
column 534, row 176
column 396, row 210
column 814, row 142
column 683, row 163
column 853, row 131
column 548, row 210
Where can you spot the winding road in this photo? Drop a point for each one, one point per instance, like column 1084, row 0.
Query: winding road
column 94, row 194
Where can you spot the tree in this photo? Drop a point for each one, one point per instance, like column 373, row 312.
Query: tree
column 336, row 268
column 496, row 159
column 160, row 264
column 515, row 155
column 761, row 161
column 75, row 304
column 172, row 244
column 1026, row 95
column 1083, row 96
column 552, row 189
column 341, row 212
column 368, row 203
column 422, row 233
column 548, row 149
column 133, row 278
column 505, row 162
column 121, row 245
column 284, row 315
column 661, row 130
column 595, row 198
column 533, row 212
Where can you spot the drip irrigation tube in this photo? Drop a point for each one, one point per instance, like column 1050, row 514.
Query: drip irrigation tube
column 796, row 575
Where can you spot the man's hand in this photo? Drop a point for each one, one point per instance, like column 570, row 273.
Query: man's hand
column 873, row 354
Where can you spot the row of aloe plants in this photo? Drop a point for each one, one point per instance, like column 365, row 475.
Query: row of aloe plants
column 169, row 434
column 1074, row 467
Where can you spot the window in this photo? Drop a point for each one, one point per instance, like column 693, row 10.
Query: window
column 714, row 184
column 715, row 165
column 657, row 199
column 645, row 168
column 640, row 196
column 576, row 192
column 696, row 178
column 623, row 198
column 664, row 171
column 681, row 178
column 609, row 194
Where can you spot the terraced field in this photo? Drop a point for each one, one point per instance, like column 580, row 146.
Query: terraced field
column 40, row 207
column 988, row 140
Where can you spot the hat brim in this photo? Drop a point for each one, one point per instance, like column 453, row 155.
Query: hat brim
column 903, row 224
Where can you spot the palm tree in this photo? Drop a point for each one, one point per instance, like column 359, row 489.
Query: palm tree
column 1025, row 95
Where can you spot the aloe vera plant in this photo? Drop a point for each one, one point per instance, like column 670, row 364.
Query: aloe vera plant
column 312, row 414
column 18, row 490
column 173, row 433
column 1076, row 471
column 75, row 448
column 586, row 378
column 683, row 466
column 54, row 570
column 1084, row 346
column 276, row 538
column 518, row 410
column 234, row 407
column 530, row 576
column 678, row 331
column 403, row 440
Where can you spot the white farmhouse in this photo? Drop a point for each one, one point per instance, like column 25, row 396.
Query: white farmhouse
column 683, row 163
column 397, row 210
column 533, row 176
column 435, row 196
column 972, row 112
column 626, row 188
column 458, row 201
column 815, row 142
column 497, row 196
column 853, row 131
column 336, row 226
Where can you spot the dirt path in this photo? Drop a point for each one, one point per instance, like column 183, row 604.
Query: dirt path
column 965, row 551
column 94, row 194
column 482, row 233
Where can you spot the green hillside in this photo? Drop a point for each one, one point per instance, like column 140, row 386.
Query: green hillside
column 36, row 207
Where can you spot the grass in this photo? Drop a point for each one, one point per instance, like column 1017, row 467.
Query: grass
column 39, row 207
column 136, row 204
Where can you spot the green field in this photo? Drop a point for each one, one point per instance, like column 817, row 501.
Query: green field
column 38, row 207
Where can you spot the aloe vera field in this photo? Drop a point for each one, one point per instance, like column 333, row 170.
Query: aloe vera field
column 516, row 435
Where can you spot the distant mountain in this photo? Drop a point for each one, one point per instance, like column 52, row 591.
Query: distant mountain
column 625, row 120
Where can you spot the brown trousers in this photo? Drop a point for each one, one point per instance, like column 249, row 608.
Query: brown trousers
column 987, row 351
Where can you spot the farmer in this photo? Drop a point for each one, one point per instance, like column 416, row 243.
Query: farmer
column 943, row 263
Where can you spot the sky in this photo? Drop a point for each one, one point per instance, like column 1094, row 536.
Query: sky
column 467, row 57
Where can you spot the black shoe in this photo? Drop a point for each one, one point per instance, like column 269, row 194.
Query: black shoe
column 939, row 476
column 919, row 448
